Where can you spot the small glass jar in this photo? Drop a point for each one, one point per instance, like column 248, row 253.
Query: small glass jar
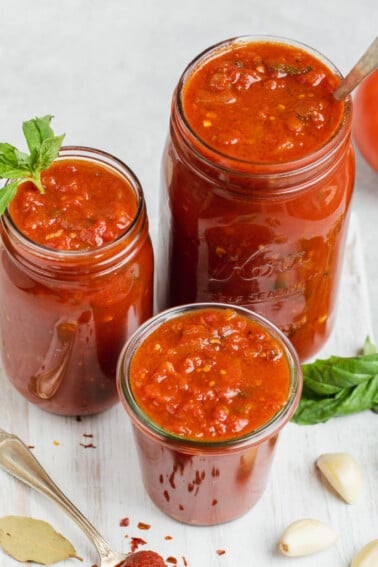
column 269, row 236
column 65, row 315
column 205, row 482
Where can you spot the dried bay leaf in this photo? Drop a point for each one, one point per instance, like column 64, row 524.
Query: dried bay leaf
column 28, row 539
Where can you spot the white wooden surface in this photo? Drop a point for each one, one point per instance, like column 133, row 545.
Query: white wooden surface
column 104, row 482
column 106, row 69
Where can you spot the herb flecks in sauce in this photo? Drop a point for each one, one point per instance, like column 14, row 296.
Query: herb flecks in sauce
column 263, row 102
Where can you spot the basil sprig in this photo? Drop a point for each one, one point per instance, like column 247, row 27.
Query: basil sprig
column 339, row 386
column 18, row 167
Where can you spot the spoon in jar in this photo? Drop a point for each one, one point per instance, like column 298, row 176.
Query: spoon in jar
column 364, row 66
column 18, row 460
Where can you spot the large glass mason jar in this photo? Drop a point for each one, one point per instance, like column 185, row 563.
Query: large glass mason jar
column 66, row 314
column 258, row 174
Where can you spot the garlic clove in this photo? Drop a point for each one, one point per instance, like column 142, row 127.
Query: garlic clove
column 306, row 536
column 343, row 473
column 367, row 556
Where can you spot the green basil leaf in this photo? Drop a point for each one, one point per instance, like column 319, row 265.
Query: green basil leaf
column 36, row 131
column 329, row 376
column 6, row 195
column 7, row 151
column 49, row 151
column 13, row 172
column 347, row 401
column 23, row 159
column 15, row 165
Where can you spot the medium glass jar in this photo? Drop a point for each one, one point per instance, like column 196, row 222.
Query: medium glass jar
column 66, row 313
column 268, row 234
column 205, row 432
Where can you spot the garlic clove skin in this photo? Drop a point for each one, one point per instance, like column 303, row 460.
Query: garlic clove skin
column 343, row 473
column 306, row 536
column 367, row 556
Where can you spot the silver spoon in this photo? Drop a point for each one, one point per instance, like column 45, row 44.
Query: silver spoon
column 19, row 461
column 364, row 66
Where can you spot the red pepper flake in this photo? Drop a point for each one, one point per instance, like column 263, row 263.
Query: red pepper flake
column 166, row 495
column 87, row 434
column 184, row 561
column 88, row 445
column 79, row 418
column 124, row 522
column 31, row 446
column 168, row 537
column 171, row 560
column 221, row 551
column 136, row 542
column 143, row 526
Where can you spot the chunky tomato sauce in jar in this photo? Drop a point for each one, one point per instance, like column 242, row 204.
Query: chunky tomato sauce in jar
column 258, row 174
column 208, row 388
column 75, row 281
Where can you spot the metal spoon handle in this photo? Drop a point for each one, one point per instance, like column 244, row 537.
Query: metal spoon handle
column 364, row 66
column 17, row 460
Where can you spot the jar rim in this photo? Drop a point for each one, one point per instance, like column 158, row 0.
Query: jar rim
column 275, row 168
column 258, row 435
column 108, row 160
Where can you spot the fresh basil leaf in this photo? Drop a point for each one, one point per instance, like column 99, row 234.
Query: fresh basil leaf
column 6, row 195
column 347, row 401
column 49, row 151
column 14, row 172
column 22, row 158
column 17, row 166
column 329, row 376
column 36, row 131
column 13, row 164
column 7, row 151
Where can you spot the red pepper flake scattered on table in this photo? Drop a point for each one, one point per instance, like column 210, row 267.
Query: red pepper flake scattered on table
column 136, row 542
column 79, row 418
column 221, row 551
column 168, row 537
column 171, row 560
column 88, row 445
column 87, row 434
column 31, row 446
column 143, row 526
column 184, row 561
column 124, row 522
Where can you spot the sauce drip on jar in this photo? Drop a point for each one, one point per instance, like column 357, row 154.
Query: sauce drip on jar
column 76, row 280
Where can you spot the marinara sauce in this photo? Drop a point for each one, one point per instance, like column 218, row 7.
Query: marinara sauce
column 208, row 388
column 258, row 173
column 75, row 281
